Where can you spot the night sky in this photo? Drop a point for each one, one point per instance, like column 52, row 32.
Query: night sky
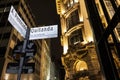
column 44, row 11
column 45, row 14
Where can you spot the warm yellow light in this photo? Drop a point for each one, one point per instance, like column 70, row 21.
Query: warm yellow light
column 7, row 76
column 81, row 65
column 118, row 1
column 84, row 42
column 71, row 2
column 76, row 1
column 65, row 49
column 119, row 39
column 81, row 69
column 63, row 11
column 58, row 6
column 64, row 30
column 81, row 18
column 90, row 39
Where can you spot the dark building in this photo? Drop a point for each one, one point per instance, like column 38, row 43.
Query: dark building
column 10, row 37
column 90, row 38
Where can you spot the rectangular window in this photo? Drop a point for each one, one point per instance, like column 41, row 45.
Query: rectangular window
column 73, row 19
column 76, row 37
column 109, row 7
column 117, row 31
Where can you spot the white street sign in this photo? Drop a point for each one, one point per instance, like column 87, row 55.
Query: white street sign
column 44, row 32
column 17, row 22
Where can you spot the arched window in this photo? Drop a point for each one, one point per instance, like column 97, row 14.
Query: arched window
column 81, row 65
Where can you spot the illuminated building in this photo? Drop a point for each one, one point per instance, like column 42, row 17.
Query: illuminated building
column 9, row 38
column 90, row 39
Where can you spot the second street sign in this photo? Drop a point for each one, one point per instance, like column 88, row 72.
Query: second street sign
column 50, row 31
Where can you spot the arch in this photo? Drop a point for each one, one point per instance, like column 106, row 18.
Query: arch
column 80, row 65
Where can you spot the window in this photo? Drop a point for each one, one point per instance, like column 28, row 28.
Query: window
column 73, row 19
column 76, row 37
column 117, row 31
column 109, row 8
column 70, row 3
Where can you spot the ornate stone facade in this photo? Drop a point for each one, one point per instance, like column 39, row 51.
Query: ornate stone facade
column 81, row 62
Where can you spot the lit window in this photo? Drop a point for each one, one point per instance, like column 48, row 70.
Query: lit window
column 81, row 65
column 76, row 37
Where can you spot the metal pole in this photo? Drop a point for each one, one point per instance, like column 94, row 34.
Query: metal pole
column 23, row 52
column 20, row 68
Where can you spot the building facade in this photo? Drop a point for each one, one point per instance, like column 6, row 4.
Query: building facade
column 90, row 39
column 48, row 69
column 10, row 37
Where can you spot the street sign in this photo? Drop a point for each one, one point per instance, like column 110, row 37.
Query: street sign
column 30, row 50
column 24, row 51
column 13, row 68
column 44, row 32
column 17, row 22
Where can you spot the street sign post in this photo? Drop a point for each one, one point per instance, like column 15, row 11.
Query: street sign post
column 23, row 51
column 22, row 28
column 28, row 34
